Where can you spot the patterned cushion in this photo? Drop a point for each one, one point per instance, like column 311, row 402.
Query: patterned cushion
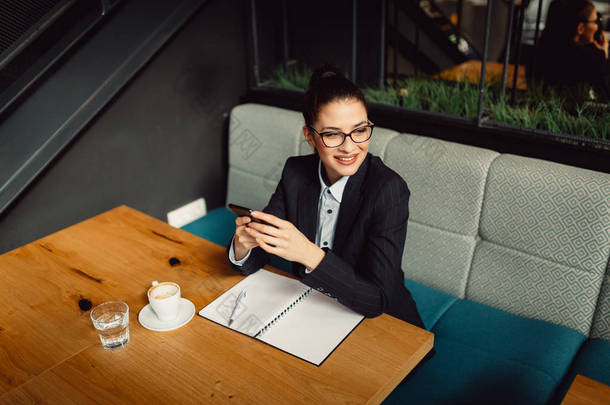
column 545, row 232
column 380, row 141
column 549, row 210
column 256, row 146
column 249, row 190
column 601, row 321
column 529, row 286
column 258, row 151
column 437, row 258
column 447, row 181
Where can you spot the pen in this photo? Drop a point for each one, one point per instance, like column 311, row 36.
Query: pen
column 240, row 298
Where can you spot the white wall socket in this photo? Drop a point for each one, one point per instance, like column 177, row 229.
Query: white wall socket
column 187, row 213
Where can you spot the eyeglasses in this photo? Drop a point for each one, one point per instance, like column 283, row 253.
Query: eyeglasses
column 597, row 21
column 334, row 139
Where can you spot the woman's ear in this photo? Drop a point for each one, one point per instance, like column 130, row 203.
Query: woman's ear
column 580, row 28
column 309, row 136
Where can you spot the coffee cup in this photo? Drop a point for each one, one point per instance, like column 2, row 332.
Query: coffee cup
column 164, row 299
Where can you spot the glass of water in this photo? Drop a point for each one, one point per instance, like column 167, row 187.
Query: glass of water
column 111, row 320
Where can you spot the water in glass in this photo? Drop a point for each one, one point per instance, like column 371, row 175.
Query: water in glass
column 111, row 319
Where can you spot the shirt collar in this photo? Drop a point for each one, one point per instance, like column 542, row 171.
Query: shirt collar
column 338, row 186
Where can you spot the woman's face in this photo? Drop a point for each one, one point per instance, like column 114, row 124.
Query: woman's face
column 587, row 29
column 344, row 116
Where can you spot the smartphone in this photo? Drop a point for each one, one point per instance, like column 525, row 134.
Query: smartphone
column 598, row 34
column 245, row 212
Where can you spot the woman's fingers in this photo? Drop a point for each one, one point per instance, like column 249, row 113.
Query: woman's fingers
column 246, row 243
column 266, row 229
column 240, row 231
column 239, row 221
column 277, row 236
column 271, row 219
column 242, row 247
column 266, row 238
column 268, row 248
column 244, row 238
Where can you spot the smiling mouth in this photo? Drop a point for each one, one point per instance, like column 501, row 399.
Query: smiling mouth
column 346, row 159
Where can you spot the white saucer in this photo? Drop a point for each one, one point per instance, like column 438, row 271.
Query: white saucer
column 149, row 319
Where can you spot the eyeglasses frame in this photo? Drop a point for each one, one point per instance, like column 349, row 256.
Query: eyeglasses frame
column 597, row 21
column 369, row 125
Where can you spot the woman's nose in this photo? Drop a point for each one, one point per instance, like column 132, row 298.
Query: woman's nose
column 348, row 145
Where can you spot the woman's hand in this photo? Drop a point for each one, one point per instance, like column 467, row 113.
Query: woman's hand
column 603, row 44
column 243, row 241
column 285, row 240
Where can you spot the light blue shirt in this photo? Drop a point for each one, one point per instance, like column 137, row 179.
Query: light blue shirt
column 329, row 202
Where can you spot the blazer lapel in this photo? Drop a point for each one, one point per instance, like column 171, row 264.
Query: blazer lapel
column 350, row 206
column 307, row 215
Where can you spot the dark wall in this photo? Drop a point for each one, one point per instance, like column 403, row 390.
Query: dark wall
column 320, row 31
column 158, row 145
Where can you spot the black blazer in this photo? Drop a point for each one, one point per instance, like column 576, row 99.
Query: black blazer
column 363, row 268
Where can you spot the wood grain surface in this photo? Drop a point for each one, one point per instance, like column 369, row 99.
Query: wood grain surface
column 50, row 352
column 585, row 391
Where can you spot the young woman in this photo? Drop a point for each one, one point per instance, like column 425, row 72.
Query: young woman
column 340, row 215
column 573, row 51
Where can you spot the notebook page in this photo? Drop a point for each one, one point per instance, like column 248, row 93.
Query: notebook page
column 267, row 294
column 313, row 328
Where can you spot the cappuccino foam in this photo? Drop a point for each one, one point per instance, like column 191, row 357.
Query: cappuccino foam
column 162, row 291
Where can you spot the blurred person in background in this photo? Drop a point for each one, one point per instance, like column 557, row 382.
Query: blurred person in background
column 573, row 50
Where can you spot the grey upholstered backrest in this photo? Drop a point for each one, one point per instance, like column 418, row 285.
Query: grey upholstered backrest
column 601, row 320
column 545, row 241
column 261, row 138
column 447, row 182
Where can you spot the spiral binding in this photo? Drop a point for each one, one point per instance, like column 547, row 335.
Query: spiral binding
column 283, row 313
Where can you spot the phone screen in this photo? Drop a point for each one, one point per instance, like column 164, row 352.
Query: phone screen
column 240, row 211
column 246, row 212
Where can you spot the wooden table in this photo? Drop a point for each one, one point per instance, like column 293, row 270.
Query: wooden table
column 470, row 71
column 50, row 352
column 585, row 391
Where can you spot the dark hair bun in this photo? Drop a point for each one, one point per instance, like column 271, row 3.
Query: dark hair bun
column 324, row 72
column 327, row 84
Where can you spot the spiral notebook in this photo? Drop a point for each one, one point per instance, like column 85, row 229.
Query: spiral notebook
column 286, row 314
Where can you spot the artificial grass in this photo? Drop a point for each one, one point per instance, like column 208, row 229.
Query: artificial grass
column 537, row 108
